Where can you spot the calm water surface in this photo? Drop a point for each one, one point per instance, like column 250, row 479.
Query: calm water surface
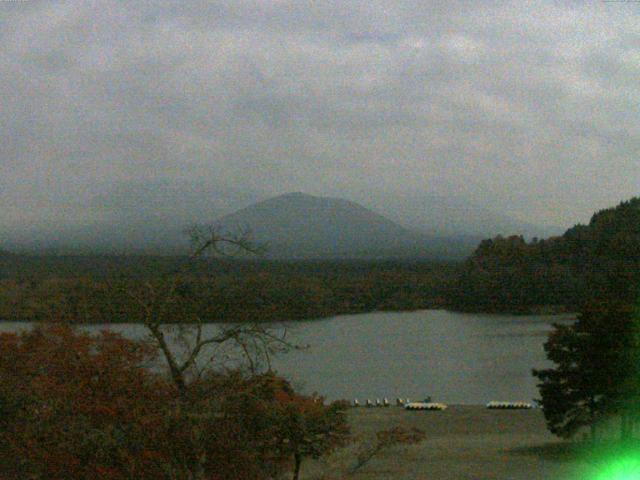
column 453, row 357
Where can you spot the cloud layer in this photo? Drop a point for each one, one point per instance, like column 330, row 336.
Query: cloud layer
column 528, row 108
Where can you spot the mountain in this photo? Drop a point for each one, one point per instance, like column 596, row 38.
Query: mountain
column 151, row 218
column 296, row 225
column 446, row 216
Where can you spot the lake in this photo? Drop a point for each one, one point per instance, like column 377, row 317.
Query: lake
column 453, row 357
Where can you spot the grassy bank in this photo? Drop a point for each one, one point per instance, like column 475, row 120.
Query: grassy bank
column 462, row 443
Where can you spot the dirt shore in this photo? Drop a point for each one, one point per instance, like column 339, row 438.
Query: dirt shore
column 462, row 443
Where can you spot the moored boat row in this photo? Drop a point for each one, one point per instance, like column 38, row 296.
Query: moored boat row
column 427, row 404
column 493, row 405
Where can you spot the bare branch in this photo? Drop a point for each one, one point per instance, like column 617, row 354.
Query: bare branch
column 208, row 238
column 256, row 342
column 200, row 344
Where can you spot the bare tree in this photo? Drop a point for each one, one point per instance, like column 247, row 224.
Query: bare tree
column 384, row 440
column 254, row 340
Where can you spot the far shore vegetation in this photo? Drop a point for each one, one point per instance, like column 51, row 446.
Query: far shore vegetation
column 101, row 289
column 503, row 275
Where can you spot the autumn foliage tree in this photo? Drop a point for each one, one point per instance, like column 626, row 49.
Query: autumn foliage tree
column 307, row 427
column 77, row 406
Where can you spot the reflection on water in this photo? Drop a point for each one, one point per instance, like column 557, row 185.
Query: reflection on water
column 452, row 357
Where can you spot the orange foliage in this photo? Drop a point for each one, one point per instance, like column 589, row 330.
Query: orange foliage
column 307, row 427
column 76, row 406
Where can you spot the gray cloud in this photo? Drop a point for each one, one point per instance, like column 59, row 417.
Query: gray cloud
column 530, row 109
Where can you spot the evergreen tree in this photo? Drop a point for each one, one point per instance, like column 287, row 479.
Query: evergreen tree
column 596, row 370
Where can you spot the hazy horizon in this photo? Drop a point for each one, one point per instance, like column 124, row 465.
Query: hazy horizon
column 129, row 112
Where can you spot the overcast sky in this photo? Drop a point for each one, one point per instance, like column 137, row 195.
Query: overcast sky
column 528, row 108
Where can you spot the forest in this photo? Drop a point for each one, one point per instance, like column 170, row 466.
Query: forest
column 562, row 273
column 101, row 289
column 596, row 359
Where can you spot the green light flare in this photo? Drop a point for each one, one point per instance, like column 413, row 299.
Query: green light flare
column 621, row 468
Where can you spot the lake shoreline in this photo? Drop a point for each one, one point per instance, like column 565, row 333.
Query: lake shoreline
column 529, row 310
column 452, row 357
column 543, row 310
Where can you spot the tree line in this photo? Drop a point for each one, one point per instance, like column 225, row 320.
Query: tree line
column 97, row 289
column 565, row 272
